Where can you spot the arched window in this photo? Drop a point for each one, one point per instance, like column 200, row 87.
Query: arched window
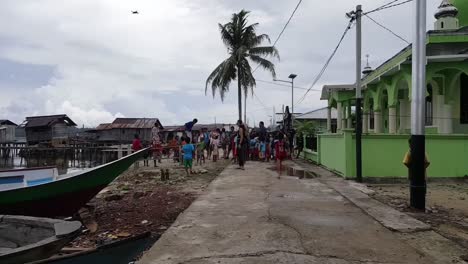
column 429, row 106
column 371, row 115
column 442, row 25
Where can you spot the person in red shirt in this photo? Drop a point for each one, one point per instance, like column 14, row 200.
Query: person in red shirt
column 280, row 150
column 136, row 146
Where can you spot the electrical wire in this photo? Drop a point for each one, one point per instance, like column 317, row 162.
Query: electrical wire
column 389, row 30
column 284, row 29
column 387, row 6
column 258, row 99
column 324, row 68
column 284, row 85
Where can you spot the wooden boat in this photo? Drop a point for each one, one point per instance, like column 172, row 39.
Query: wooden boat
column 24, row 238
column 41, row 192
column 120, row 252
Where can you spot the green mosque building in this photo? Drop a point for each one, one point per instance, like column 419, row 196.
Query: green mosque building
column 387, row 108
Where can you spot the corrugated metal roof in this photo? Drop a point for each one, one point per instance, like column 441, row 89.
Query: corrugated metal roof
column 321, row 113
column 7, row 122
column 45, row 121
column 131, row 123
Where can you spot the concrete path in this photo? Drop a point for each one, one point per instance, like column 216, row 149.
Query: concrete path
column 252, row 216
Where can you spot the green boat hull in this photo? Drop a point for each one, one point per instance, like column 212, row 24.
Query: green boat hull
column 64, row 197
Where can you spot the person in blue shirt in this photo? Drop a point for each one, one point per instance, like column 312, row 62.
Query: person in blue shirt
column 189, row 127
column 188, row 150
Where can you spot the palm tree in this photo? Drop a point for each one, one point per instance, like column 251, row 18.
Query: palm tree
column 243, row 45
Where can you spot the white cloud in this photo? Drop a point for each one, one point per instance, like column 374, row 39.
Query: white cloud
column 111, row 63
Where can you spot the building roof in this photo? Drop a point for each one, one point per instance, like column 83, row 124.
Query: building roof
column 327, row 89
column 131, row 123
column 317, row 114
column 46, row 121
column 7, row 122
column 196, row 127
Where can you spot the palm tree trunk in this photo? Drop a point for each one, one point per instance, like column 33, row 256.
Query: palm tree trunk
column 239, row 93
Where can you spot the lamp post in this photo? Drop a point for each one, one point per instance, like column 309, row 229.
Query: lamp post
column 291, row 76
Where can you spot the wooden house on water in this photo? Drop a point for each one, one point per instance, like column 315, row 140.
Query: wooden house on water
column 123, row 130
column 53, row 129
column 7, row 131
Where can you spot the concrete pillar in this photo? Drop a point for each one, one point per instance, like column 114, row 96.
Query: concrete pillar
column 405, row 115
column 377, row 122
column 329, row 111
column 447, row 119
column 339, row 116
column 365, row 123
column 437, row 111
column 392, row 120
column 349, row 120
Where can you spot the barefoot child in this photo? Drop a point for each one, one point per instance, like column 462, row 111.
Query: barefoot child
column 188, row 149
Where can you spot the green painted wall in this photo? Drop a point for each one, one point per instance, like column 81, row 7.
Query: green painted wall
column 383, row 155
column 462, row 6
column 332, row 152
column 310, row 155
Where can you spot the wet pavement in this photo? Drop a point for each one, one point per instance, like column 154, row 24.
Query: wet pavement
column 254, row 216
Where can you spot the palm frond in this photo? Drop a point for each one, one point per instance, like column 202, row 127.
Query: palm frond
column 265, row 51
column 257, row 40
column 226, row 35
column 221, row 77
column 246, row 77
column 264, row 63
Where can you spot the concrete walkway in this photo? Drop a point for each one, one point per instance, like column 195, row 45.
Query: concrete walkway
column 252, row 216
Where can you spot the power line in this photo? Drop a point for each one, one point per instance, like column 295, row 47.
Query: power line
column 258, row 99
column 389, row 30
column 284, row 28
column 284, row 85
column 386, row 6
column 287, row 23
column 317, row 78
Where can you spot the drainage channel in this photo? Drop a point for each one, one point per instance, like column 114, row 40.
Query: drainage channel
column 296, row 172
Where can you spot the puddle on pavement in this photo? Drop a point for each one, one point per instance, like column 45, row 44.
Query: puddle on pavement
column 296, row 172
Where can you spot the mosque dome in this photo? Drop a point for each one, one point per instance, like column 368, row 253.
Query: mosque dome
column 446, row 9
column 462, row 6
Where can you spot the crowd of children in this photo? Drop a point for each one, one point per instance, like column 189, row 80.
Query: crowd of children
column 208, row 145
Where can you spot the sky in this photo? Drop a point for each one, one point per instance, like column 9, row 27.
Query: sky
column 94, row 60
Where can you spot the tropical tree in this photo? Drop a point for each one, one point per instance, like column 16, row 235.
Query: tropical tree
column 243, row 44
column 305, row 128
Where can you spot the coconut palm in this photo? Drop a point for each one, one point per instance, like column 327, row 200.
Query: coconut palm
column 243, row 45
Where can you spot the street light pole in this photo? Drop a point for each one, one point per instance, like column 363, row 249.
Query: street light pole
column 418, row 93
column 291, row 76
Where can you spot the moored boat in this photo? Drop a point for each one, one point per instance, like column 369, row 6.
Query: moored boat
column 120, row 252
column 24, row 238
column 40, row 192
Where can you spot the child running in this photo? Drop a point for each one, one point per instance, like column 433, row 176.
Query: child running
column 188, row 149
column 280, row 152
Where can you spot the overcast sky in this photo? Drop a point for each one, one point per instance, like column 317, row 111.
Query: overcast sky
column 94, row 60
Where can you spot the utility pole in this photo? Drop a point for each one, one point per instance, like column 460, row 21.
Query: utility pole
column 358, row 94
column 418, row 94
column 357, row 15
